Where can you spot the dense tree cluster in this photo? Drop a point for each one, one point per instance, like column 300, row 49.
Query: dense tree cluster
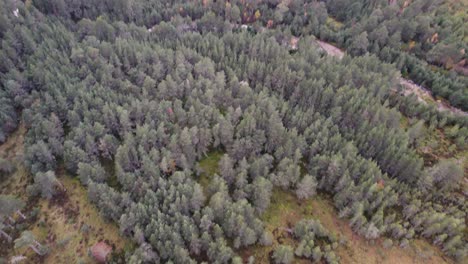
column 131, row 111
column 415, row 35
column 316, row 242
column 410, row 34
column 283, row 254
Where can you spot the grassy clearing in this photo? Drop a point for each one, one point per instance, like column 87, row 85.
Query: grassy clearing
column 209, row 166
column 59, row 226
column 283, row 213
column 75, row 226
column 16, row 184
column 68, row 229
column 286, row 210
column 435, row 146
column 334, row 24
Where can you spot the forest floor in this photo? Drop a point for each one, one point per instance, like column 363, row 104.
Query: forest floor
column 68, row 224
column 286, row 210
column 71, row 224
column 209, row 167
column 435, row 145
column 330, row 49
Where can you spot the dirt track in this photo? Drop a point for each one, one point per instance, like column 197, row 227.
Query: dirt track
column 423, row 94
column 331, row 50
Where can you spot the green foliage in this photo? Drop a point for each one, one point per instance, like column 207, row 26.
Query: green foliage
column 283, row 254
column 9, row 205
column 45, row 184
column 137, row 97
column 446, row 175
column 6, row 168
column 315, row 239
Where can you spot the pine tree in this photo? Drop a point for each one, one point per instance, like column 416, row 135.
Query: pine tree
column 198, row 198
column 283, row 254
column 46, row 184
column 226, row 168
column 261, row 194
column 446, row 175
column 306, row 187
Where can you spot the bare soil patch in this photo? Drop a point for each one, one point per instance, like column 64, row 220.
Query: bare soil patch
column 423, row 94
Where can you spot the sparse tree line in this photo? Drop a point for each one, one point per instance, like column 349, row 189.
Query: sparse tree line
column 316, row 242
column 455, row 126
column 132, row 112
column 410, row 34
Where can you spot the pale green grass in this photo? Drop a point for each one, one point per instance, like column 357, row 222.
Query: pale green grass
column 209, row 166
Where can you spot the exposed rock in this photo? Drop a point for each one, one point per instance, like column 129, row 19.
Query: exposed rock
column 100, row 251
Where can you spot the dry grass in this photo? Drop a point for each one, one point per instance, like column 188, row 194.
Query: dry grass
column 285, row 210
column 59, row 224
column 436, row 146
column 209, row 166
column 359, row 250
column 283, row 213
column 13, row 147
column 63, row 225
column 334, row 24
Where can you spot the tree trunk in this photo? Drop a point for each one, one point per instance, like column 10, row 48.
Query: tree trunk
column 60, row 184
column 17, row 259
column 21, row 214
column 11, row 219
column 35, row 249
column 8, row 237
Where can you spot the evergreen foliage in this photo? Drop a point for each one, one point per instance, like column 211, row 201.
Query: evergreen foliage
column 129, row 96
